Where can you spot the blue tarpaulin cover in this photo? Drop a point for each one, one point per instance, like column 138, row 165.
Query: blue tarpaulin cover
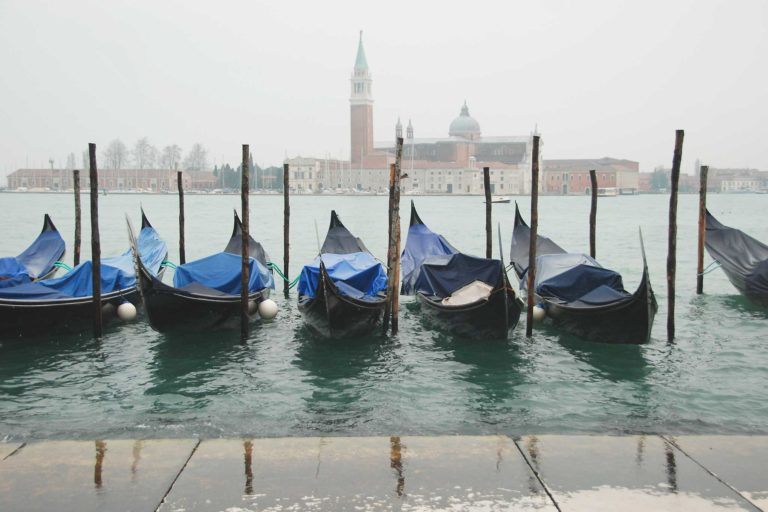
column 358, row 275
column 36, row 261
column 573, row 277
column 222, row 272
column 117, row 273
column 440, row 276
column 421, row 244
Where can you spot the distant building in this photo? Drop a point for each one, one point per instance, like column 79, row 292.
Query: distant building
column 147, row 180
column 736, row 180
column 444, row 165
column 571, row 177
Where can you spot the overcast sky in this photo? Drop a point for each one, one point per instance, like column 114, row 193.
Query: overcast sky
column 600, row 78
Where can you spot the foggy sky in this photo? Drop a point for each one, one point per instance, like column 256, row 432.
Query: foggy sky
column 603, row 78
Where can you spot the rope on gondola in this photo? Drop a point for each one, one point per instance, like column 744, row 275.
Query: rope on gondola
column 291, row 284
column 714, row 266
column 61, row 264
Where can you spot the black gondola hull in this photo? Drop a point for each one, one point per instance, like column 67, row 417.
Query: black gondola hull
column 333, row 315
column 170, row 308
column 66, row 316
column 628, row 321
column 487, row 318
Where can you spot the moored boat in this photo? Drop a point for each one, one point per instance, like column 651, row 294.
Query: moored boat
column 206, row 292
column 343, row 292
column 743, row 259
column 579, row 295
column 65, row 304
column 466, row 295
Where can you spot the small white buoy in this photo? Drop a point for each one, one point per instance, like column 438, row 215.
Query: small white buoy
column 126, row 311
column 539, row 313
column 267, row 309
column 252, row 307
column 108, row 309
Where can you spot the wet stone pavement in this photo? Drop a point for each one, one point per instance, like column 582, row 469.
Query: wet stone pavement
column 453, row 473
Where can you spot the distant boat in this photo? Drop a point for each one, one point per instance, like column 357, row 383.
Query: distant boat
column 607, row 192
column 500, row 199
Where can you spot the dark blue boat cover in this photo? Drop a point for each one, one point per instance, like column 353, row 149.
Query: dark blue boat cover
column 421, row 244
column 440, row 276
column 573, row 277
column 741, row 256
column 36, row 261
column 117, row 273
column 222, row 272
column 358, row 275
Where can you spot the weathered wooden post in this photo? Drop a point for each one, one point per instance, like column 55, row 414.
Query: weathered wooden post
column 672, row 248
column 488, row 210
column 286, row 226
column 244, row 273
column 703, row 171
column 534, row 230
column 180, row 184
column 95, row 243
column 593, row 214
column 390, row 250
column 76, row 186
column 396, row 235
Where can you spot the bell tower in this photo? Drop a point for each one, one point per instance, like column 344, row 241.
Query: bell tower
column 361, row 107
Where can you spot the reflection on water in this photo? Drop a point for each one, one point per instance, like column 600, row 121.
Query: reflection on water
column 396, row 463
column 101, row 450
column 248, row 459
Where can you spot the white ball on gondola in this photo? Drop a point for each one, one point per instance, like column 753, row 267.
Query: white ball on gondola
column 267, row 309
column 539, row 313
column 108, row 309
column 126, row 311
column 252, row 307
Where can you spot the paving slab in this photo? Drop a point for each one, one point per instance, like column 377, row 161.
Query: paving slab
column 120, row 475
column 632, row 473
column 740, row 461
column 381, row 473
column 8, row 448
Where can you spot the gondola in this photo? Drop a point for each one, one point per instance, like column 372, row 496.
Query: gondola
column 743, row 258
column 343, row 292
column 38, row 261
column 579, row 295
column 206, row 292
column 65, row 304
column 466, row 295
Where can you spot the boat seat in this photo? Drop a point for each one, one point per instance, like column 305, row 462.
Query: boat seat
column 473, row 292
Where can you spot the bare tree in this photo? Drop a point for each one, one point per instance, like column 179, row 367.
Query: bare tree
column 197, row 159
column 144, row 154
column 170, row 157
column 116, row 155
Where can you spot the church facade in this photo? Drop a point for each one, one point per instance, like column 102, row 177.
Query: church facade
column 440, row 165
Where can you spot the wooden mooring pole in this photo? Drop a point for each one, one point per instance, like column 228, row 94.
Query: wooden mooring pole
column 672, row 247
column 534, row 230
column 286, row 226
column 95, row 243
column 593, row 215
column 703, row 171
column 244, row 273
column 180, row 184
column 396, row 235
column 390, row 250
column 488, row 211
column 78, row 221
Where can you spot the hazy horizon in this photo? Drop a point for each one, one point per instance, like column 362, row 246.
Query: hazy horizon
column 597, row 78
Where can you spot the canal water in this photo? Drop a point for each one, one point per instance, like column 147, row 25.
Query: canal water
column 283, row 381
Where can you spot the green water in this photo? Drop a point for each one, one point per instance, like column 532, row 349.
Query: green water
column 284, row 382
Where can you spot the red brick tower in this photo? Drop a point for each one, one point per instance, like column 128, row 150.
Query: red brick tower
column 361, row 107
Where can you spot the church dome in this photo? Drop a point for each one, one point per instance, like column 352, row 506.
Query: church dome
column 465, row 125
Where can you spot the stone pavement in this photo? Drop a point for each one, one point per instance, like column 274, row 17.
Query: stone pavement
column 453, row 473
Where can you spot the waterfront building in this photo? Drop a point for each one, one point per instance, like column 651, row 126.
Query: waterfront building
column 145, row 180
column 441, row 165
column 571, row 176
